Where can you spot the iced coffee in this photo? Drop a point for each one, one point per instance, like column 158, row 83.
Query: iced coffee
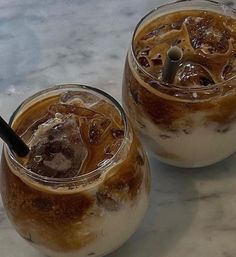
column 191, row 121
column 83, row 188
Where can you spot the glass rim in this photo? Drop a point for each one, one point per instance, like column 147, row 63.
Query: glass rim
column 171, row 86
column 85, row 176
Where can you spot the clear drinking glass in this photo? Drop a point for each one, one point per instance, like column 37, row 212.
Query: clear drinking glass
column 89, row 214
column 190, row 122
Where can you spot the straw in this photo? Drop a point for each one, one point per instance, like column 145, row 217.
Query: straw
column 14, row 142
column 171, row 65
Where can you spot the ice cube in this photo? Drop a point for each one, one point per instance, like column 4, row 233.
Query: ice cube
column 229, row 70
column 80, row 99
column 157, row 31
column 208, row 34
column 108, row 110
column 163, row 29
column 57, row 148
column 111, row 149
column 97, row 129
column 42, row 126
column 193, row 75
column 72, row 109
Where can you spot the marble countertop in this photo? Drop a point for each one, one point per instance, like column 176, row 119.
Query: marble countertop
column 192, row 211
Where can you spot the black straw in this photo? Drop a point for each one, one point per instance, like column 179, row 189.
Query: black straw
column 173, row 59
column 14, row 142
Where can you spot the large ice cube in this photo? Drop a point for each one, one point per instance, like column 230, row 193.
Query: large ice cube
column 97, row 129
column 72, row 109
column 57, row 148
column 208, row 34
column 108, row 110
column 81, row 99
column 163, row 29
column 193, row 75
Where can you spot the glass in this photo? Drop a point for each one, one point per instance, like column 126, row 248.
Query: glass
column 184, row 124
column 90, row 214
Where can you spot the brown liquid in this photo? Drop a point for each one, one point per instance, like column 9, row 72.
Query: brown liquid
column 67, row 217
column 202, row 65
column 57, row 220
column 208, row 41
column 92, row 135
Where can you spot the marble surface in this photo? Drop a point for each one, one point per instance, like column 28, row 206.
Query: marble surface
column 192, row 211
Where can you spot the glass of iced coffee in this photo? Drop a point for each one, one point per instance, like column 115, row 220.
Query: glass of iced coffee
column 83, row 188
column 190, row 121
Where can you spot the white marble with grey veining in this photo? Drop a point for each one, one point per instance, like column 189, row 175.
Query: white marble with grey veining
column 192, row 211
